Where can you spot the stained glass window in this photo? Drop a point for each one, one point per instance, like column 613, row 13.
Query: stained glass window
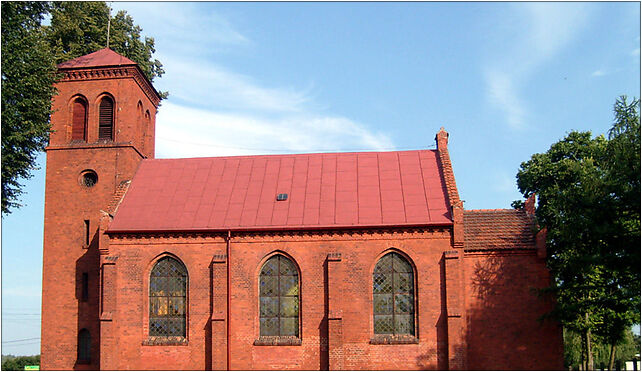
column 167, row 298
column 393, row 296
column 279, row 298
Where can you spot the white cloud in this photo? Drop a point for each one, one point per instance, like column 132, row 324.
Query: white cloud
column 210, row 85
column 184, row 28
column 502, row 94
column 545, row 29
column 214, row 110
column 192, row 132
column 598, row 73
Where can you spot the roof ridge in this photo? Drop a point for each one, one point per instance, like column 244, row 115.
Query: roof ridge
column 295, row 154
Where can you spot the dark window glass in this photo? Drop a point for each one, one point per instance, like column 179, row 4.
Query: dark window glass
column 279, row 298
column 84, row 346
column 87, row 230
column 393, row 296
column 106, row 119
column 79, row 120
column 167, row 298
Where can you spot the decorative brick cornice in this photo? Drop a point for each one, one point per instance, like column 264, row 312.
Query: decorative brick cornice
column 117, row 72
column 428, row 232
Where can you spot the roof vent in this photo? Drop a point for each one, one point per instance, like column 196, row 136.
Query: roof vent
column 281, row 197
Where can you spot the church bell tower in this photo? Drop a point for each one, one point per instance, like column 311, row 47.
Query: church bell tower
column 103, row 125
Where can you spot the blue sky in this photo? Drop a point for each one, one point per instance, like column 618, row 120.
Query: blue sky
column 506, row 80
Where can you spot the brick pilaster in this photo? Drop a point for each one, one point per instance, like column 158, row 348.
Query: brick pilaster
column 335, row 314
column 454, row 309
column 219, row 312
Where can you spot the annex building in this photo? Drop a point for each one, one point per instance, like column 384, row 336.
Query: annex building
column 311, row 261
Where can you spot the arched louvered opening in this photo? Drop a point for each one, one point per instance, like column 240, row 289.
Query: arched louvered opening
column 168, row 298
column 393, row 296
column 79, row 120
column 106, row 119
column 279, row 297
column 84, row 346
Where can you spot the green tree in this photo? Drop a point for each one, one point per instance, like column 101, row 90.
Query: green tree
column 30, row 52
column 588, row 190
column 78, row 28
column 19, row 363
column 28, row 74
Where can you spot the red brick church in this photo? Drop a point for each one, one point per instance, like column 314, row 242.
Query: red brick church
column 311, row 261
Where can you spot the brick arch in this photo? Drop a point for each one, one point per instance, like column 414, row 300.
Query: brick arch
column 153, row 261
column 393, row 250
column 257, row 271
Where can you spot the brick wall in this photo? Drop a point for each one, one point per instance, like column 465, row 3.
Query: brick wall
column 348, row 295
column 68, row 204
column 503, row 329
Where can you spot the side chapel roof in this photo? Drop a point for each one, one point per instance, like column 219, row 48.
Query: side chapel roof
column 496, row 229
column 331, row 190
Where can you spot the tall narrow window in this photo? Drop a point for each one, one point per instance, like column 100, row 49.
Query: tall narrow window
column 79, row 120
column 279, row 296
column 106, row 119
column 84, row 346
column 167, row 298
column 86, row 233
column 393, row 296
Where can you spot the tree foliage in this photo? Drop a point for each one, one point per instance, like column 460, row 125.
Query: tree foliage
column 30, row 52
column 28, row 74
column 627, row 349
column 19, row 363
column 589, row 200
column 78, row 28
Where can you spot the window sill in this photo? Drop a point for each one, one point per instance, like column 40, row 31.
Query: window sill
column 165, row 341
column 393, row 340
column 278, row 341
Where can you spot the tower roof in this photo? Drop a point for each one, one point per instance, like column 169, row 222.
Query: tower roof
column 103, row 57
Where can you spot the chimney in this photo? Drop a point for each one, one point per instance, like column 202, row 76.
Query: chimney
column 442, row 139
column 529, row 205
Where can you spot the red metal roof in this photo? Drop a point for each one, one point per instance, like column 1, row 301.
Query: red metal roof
column 498, row 229
column 103, row 57
column 330, row 190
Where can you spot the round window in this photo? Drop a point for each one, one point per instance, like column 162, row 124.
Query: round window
column 88, row 178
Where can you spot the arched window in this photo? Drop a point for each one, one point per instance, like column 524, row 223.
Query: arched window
column 393, row 296
column 84, row 346
column 167, row 298
column 106, row 119
column 279, row 296
column 79, row 120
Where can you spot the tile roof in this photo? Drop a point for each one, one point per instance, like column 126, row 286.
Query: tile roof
column 324, row 191
column 103, row 57
column 486, row 229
